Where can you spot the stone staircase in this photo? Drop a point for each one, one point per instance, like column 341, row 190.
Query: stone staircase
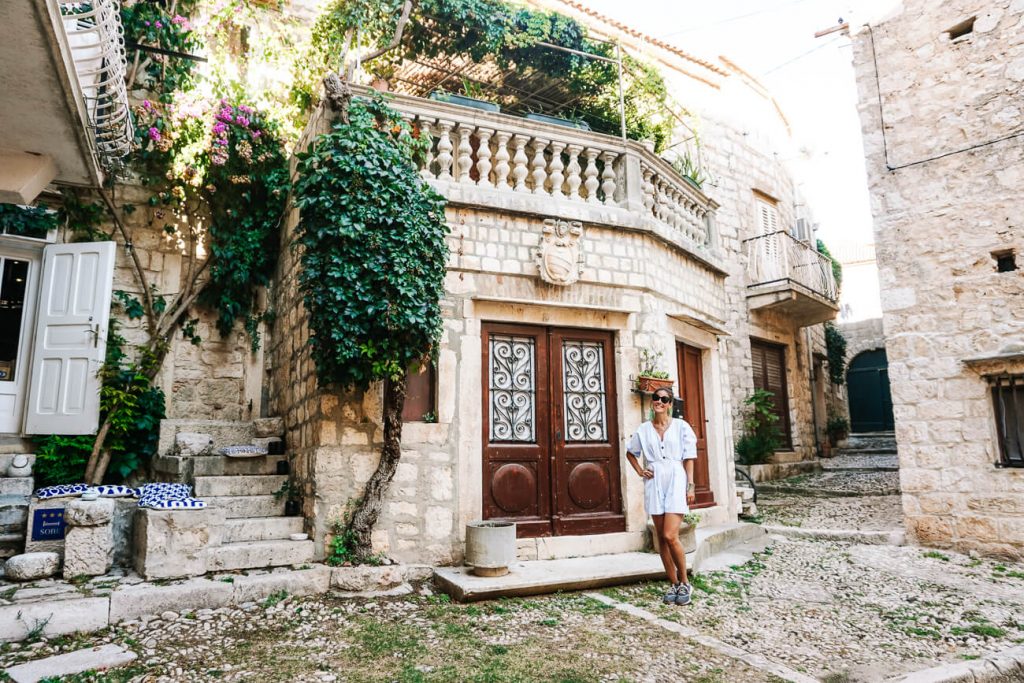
column 745, row 504
column 15, row 493
column 255, row 533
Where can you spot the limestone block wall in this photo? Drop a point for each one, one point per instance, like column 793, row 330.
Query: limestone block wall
column 863, row 335
column 942, row 215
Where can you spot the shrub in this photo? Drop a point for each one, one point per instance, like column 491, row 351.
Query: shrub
column 761, row 435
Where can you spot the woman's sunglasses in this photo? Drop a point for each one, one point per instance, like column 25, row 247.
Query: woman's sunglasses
column 663, row 399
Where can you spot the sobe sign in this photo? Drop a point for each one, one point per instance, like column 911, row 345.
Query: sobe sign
column 48, row 524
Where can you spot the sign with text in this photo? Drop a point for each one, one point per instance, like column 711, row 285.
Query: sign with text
column 48, row 524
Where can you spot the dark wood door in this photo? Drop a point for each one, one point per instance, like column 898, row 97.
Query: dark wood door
column 691, row 389
column 867, row 381
column 550, row 461
column 769, row 366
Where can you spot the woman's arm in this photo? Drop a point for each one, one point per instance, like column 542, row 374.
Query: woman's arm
column 644, row 473
column 691, row 489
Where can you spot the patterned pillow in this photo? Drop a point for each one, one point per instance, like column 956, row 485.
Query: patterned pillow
column 60, row 491
column 163, row 491
column 181, row 504
column 244, row 451
column 115, row 491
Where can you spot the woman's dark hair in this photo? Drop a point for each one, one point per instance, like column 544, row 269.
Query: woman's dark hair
column 667, row 390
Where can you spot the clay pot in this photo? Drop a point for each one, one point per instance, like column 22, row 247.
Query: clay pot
column 652, row 384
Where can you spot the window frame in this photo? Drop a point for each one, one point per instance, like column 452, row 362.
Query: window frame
column 1013, row 384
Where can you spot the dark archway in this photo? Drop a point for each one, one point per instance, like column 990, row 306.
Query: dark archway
column 867, row 379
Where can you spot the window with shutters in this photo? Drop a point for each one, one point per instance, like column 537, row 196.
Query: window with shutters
column 769, row 363
column 1008, row 401
column 767, row 216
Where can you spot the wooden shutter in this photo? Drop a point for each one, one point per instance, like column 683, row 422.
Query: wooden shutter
column 769, row 369
column 70, row 341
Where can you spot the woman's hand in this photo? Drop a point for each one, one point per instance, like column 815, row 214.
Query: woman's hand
column 691, row 497
column 646, row 474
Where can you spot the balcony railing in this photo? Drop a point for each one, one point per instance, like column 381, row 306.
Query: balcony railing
column 508, row 161
column 780, row 259
column 96, row 41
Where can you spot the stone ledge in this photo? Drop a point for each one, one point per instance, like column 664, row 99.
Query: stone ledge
column 53, row 617
column 1000, row 667
column 893, row 537
column 90, row 659
column 142, row 599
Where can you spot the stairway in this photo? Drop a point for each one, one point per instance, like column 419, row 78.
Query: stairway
column 256, row 531
column 14, row 498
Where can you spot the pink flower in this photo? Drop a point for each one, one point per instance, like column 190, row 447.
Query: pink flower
column 154, row 133
column 219, row 128
column 256, row 133
column 182, row 21
column 225, row 114
column 244, row 109
column 146, row 23
column 147, row 105
column 242, row 121
column 158, row 24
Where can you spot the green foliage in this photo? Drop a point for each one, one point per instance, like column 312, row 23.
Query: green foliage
column 691, row 518
column 837, row 427
column 837, row 267
column 688, row 168
column 835, row 347
column 761, row 435
column 342, row 547
column 649, row 362
column 82, row 217
column 509, row 35
column 135, row 408
column 152, row 24
column 27, row 221
column 373, row 249
column 223, row 162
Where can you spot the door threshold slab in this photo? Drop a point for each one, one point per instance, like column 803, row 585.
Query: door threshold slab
column 588, row 545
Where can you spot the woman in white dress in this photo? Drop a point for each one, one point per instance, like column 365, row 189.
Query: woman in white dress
column 668, row 447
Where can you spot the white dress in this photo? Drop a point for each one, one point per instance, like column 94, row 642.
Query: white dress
column 665, row 492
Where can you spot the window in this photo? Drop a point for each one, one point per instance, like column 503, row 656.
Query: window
column 962, row 29
column 421, row 395
column 1008, row 401
column 767, row 216
column 769, row 362
column 1006, row 261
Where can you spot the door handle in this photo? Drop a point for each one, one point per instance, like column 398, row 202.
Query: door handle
column 558, row 435
column 96, row 336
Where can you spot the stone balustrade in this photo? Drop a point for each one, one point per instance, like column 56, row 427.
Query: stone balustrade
column 512, row 163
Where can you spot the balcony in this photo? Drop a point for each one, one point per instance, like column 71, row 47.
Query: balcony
column 790, row 277
column 64, row 109
column 509, row 163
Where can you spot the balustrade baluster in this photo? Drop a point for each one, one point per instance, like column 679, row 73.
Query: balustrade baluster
column 648, row 189
column 502, row 168
column 590, row 175
column 555, row 167
column 464, row 161
column 539, row 164
column 425, row 126
column 608, row 177
column 574, row 180
column 444, row 151
column 519, row 161
column 483, row 155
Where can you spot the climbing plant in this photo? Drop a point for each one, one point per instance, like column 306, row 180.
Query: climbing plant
column 835, row 347
column 510, row 35
column 28, row 221
column 373, row 254
column 837, row 267
column 761, row 434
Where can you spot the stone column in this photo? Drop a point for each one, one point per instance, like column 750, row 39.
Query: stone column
column 89, row 543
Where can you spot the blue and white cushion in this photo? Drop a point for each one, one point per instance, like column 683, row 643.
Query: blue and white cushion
column 165, row 491
column 179, row 504
column 115, row 491
column 60, row 491
column 244, row 451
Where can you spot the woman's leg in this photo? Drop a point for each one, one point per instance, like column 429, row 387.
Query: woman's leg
column 663, row 548
column 671, row 549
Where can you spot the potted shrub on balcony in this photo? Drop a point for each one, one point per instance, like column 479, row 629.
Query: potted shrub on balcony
column 471, row 97
column 689, row 170
column 651, row 378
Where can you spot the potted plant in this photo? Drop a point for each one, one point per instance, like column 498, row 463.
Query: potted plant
column 690, row 170
column 558, row 120
column 838, row 428
column 651, row 378
column 291, row 495
column 471, row 97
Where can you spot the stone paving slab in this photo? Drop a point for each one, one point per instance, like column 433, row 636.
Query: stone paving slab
column 1002, row 667
column 91, row 659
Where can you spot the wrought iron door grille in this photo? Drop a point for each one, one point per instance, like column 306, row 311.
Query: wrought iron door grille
column 584, row 391
column 1008, row 401
column 513, row 388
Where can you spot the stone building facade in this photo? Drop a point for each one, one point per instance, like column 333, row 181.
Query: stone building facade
column 940, row 100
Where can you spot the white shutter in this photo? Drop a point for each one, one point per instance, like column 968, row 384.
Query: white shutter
column 70, row 340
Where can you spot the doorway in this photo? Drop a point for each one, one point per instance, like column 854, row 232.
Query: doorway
column 550, row 430
column 867, row 379
column 18, row 273
column 691, row 390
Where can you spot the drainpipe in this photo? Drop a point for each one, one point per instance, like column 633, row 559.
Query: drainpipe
column 811, row 375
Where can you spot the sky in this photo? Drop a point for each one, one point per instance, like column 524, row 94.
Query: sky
column 812, row 79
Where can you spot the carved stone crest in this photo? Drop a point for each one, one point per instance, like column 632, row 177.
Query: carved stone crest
column 560, row 256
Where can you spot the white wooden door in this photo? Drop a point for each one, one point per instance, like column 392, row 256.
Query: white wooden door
column 19, row 275
column 70, row 339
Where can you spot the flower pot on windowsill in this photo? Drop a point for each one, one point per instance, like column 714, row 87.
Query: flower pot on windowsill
column 490, row 547
column 464, row 101
column 652, row 384
column 558, row 121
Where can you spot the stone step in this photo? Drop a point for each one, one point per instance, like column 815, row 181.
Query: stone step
column 12, row 544
column 220, row 465
column 261, row 528
column 13, row 511
column 258, row 554
column 247, row 506
column 239, row 485
column 16, row 486
column 745, row 492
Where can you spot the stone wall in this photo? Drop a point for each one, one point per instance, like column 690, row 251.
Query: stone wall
column 863, row 335
column 942, row 214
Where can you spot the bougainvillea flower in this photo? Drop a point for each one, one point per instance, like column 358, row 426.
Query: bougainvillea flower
column 242, row 121
column 154, row 133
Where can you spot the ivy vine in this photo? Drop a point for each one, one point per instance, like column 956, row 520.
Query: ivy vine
column 835, row 347
column 373, row 248
column 837, row 267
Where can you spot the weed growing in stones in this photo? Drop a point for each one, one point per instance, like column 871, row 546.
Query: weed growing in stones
column 274, row 598
column 935, row 555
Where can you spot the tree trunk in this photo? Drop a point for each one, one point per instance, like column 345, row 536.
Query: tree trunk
column 368, row 507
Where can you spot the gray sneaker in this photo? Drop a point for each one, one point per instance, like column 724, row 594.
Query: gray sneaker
column 670, row 595
column 683, row 592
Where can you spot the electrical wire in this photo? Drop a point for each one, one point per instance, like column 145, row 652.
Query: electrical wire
column 802, row 55
column 731, row 19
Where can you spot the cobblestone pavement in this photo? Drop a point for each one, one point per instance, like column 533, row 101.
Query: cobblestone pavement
column 845, row 612
column 867, row 461
column 410, row 639
column 863, row 513
column 841, row 483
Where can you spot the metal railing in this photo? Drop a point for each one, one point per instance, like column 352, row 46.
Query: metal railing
column 96, row 40
column 778, row 257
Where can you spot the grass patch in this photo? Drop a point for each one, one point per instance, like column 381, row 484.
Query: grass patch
column 935, row 555
column 984, row 630
column 274, row 598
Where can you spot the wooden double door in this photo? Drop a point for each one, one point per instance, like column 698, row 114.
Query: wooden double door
column 691, row 390
column 550, row 430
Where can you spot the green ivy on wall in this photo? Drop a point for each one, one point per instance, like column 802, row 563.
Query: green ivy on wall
column 835, row 346
column 837, row 267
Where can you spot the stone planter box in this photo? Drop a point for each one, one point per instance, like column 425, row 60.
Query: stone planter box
column 464, row 101
column 490, row 547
